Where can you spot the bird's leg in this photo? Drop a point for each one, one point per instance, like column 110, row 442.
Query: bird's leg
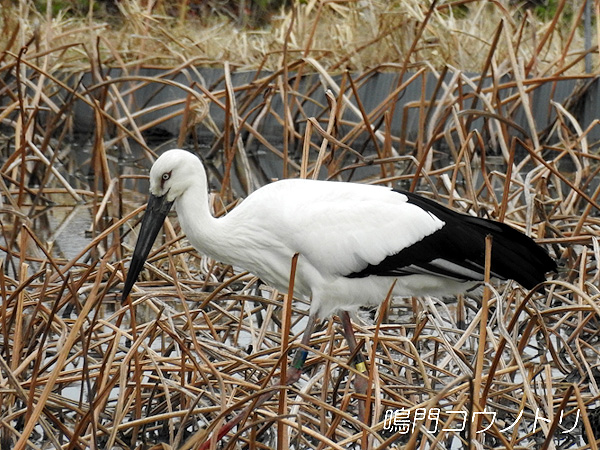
column 295, row 370
column 361, row 381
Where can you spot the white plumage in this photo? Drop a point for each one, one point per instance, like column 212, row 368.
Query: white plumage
column 336, row 228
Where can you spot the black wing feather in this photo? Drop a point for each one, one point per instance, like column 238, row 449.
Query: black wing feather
column 457, row 250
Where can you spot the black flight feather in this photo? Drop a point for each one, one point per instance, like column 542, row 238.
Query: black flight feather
column 457, row 251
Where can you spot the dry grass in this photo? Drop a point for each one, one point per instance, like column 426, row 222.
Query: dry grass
column 200, row 341
column 340, row 34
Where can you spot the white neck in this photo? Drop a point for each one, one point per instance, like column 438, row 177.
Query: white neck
column 205, row 232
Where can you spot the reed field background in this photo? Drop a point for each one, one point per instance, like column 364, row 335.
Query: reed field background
column 200, row 341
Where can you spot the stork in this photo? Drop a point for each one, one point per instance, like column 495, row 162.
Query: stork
column 353, row 241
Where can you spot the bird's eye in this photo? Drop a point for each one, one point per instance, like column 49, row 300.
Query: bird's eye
column 166, row 176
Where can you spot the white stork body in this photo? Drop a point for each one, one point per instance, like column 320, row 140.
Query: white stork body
column 336, row 228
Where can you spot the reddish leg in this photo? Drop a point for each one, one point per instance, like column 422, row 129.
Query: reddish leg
column 295, row 370
column 361, row 381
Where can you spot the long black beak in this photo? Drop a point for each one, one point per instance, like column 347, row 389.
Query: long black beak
column 156, row 212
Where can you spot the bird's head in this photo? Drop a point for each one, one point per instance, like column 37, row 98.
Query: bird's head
column 173, row 173
column 170, row 176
